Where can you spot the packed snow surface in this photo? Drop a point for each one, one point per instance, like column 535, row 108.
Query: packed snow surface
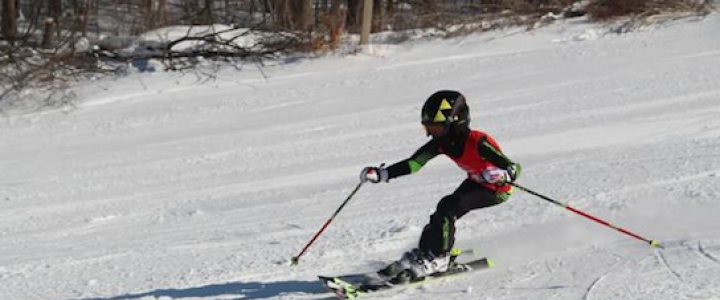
column 181, row 186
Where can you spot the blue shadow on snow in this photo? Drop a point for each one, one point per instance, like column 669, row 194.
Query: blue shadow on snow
column 244, row 291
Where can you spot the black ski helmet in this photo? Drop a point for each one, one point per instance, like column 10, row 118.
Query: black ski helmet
column 443, row 110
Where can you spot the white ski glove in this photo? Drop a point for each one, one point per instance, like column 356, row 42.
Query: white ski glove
column 374, row 174
column 496, row 175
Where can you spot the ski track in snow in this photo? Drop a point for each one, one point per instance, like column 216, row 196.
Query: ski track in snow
column 661, row 257
column 706, row 254
column 591, row 287
column 169, row 187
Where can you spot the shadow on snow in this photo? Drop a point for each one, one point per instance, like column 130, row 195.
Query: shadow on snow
column 243, row 291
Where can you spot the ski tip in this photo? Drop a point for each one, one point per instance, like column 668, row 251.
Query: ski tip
column 491, row 263
column 342, row 289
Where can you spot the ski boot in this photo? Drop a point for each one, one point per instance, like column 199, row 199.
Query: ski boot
column 416, row 264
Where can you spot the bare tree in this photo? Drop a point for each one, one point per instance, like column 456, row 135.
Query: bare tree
column 149, row 13
column 429, row 13
column 334, row 23
column 208, row 15
column 155, row 13
column 162, row 12
column 83, row 14
column 54, row 9
column 52, row 23
column 281, row 13
column 304, row 15
column 378, row 23
column 354, row 10
column 48, row 41
column 9, row 19
column 292, row 14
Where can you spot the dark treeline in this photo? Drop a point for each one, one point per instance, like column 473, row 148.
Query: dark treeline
column 46, row 43
column 95, row 18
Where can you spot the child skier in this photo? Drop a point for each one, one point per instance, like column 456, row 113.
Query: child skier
column 446, row 117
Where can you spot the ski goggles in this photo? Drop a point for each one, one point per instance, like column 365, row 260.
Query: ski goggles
column 435, row 129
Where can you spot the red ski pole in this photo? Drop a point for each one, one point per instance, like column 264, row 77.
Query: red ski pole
column 653, row 243
column 296, row 259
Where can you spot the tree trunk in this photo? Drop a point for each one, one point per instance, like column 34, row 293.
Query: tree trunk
column 390, row 11
column 9, row 19
column 209, row 16
column 162, row 13
column 228, row 10
column 304, row 15
column 336, row 10
column 353, row 15
column 155, row 13
column 378, row 23
column 336, row 22
column 48, row 41
column 54, row 10
column 324, row 6
column 281, row 13
column 335, row 6
column 429, row 12
column 148, row 13
column 85, row 17
column 366, row 22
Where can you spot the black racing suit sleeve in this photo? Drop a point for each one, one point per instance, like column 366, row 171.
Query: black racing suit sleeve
column 413, row 164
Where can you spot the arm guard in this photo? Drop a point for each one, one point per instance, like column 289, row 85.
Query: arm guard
column 496, row 157
column 415, row 162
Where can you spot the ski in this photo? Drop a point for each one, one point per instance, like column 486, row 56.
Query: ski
column 357, row 285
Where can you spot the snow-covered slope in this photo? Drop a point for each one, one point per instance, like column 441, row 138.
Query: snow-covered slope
column 169, row 187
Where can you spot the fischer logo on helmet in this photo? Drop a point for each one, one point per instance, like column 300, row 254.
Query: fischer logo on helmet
column 443, row 110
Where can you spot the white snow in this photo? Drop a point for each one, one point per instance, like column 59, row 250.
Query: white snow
column 170, row 186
